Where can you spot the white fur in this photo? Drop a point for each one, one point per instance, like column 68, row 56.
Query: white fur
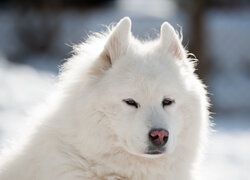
column 86, row 131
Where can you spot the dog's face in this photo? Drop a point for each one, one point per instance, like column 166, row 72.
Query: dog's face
column 145, row 91
column 143, row 101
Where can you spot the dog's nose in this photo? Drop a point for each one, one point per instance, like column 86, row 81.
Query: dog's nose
column 158, row 137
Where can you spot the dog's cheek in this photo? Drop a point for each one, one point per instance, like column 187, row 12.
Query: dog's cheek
column 131, row 131
column 188, row 134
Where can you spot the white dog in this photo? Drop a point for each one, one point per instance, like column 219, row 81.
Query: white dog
column 124, row 109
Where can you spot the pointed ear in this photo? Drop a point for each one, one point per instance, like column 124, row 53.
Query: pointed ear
column 116, row 45
column 118, row 40
column 170, row 41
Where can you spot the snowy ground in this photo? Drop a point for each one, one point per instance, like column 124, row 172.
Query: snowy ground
column 228, row 155
column 22, row 87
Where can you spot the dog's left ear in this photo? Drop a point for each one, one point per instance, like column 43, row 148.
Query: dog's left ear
column 170, row 41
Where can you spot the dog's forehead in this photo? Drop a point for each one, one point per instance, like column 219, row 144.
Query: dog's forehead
column 149, row 67
column 146, row 74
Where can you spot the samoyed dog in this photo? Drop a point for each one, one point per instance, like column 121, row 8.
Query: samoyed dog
column 124, row 109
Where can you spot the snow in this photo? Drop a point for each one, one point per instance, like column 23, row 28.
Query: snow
column 22, row 88
column 228, row 156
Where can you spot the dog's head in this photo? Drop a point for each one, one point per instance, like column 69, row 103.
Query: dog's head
column 147, row 93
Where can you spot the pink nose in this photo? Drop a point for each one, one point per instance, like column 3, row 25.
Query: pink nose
column 158, row 137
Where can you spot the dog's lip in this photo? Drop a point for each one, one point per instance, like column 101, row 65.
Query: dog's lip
column 155, row 151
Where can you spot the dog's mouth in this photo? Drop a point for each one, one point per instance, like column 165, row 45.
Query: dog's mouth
column 155, row 151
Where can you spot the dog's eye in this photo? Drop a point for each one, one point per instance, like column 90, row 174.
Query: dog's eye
column 167, row 102
column 131, row 102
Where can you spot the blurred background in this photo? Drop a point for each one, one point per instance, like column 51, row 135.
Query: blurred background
column 36, row 37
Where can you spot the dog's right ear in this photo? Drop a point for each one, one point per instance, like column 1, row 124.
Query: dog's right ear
column 116, row 45
column 118, row 40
